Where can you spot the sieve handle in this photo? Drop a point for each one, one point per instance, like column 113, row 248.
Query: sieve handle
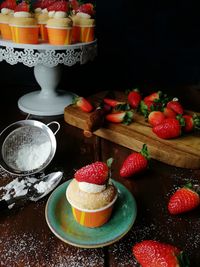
column 58, row 126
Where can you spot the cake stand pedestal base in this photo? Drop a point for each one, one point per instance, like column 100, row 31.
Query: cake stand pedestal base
column 34, row 103
column 49, row 101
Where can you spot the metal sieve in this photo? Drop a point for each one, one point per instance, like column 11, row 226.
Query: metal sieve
column 27, row 146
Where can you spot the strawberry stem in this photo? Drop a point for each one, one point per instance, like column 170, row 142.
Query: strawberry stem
column 128, row 118
column 144, row 152
column 183, row 260
column 109, row 163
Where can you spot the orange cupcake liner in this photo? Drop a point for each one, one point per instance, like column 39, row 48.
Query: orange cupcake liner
column 92, row 219
column 86, row 34
column 75, row 34
column 25, row 35
column 6, row 31
column 43, row 33
column 58, row 36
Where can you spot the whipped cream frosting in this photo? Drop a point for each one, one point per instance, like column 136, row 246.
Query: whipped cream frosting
column 57, row 14
column 83, row 15
column 44, row 10
column 22, row 14
column 6, row 11
column 91, row 188
column 38, row 10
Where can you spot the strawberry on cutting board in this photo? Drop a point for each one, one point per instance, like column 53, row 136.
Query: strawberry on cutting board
column 176, row 106
column 192, row 122
column 134, row 98
column 153, row 96
column 82, row 103
column 151, row 253
column 135, row 163
column 183, row 200
column 168, row 129
column 124, row 117
column 117, row 105
column 156, row 117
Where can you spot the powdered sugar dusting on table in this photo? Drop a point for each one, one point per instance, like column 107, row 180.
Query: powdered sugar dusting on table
column 30, row 250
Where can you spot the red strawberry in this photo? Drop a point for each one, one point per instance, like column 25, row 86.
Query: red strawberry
column 74, row 4
column 169, row 128
column 23, row 6
column 83, row 104
column 124, row 117
column 95, row 173
column 156, row 118
column 112, row 102
column 47, row 3
column 61, row 5
column 175, row 106
column 153, row 96
column 184, row 199
column 134, row 98
column 135, row 163
column 191, row 122
column 169, row 113
column 87, row 8
column 10, row 4
column 151, row 253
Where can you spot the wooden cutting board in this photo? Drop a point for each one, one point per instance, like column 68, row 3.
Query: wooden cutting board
column 180, row 152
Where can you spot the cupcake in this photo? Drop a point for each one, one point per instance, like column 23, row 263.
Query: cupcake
column 84, row 23
column 23, row 25
column 59, row 26
column 7, row 10
column 41, row 14
column 92, row 195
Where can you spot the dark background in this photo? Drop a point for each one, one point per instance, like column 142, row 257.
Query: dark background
column 147, row 44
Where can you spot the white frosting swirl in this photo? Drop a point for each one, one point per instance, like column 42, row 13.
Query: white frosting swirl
column 91, row 188
column 60, row 14
column 6, row 11
column 83, row 15
column 44, row 10
column 22, row 14
column 38, row 10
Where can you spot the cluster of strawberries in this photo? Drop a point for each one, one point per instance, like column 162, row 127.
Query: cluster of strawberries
column 166, row 116
column 50, row 5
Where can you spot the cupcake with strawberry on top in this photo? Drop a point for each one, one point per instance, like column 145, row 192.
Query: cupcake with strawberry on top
column 23, row 24
column 84, row 22
column 42, row 16
column 7, row 10
column 92, row 194
column 59, row 25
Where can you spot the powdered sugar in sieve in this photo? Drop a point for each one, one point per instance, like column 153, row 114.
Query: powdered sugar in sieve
column 26, row 148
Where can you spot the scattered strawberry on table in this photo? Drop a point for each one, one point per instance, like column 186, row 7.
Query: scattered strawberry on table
column 135, row 163
column 83, row 103
column 151, row 253
column 183, row 200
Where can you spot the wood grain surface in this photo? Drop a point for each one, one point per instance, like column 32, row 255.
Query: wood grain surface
column 180, row 152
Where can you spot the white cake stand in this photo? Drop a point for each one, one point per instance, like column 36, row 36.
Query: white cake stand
column 46, row 60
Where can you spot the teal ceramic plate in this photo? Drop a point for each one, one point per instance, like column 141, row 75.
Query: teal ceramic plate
column 60, row 220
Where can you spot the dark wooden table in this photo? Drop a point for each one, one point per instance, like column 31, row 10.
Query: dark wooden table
column 26, row 240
